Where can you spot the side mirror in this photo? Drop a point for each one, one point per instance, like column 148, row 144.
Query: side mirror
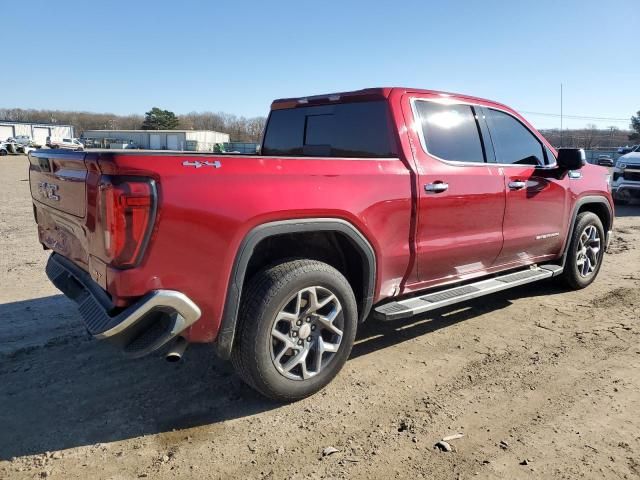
column 605, row 161
column 571, row 158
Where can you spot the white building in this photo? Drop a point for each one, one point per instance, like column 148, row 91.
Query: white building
column 190, row 140
column 37, row 131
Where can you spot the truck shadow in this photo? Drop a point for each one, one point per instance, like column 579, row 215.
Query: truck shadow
column 69, row 390
column 374, row 335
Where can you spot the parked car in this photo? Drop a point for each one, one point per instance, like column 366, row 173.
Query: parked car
column 625, row 183
column 378, row 204
column 23, row 144
column 605, row 161
column 26, row 149
column 11, row 147
column 21, row 139
column 65, row 143
column 627, row 149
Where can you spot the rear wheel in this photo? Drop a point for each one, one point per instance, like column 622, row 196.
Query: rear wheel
column 584, row 257
column 296, row 328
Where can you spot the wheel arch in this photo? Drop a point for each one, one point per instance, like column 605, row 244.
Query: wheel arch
column 260, row 233
column 596, row 204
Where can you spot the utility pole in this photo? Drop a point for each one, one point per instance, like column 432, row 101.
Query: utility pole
column 561, row 144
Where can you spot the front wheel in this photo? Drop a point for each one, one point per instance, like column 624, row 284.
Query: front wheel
column 584, row 257
column 297, row 325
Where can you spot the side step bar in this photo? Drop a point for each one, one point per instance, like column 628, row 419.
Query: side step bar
column 415, row 305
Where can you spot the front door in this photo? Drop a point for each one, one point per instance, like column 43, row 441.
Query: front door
column 534, row 221
column 461, row 198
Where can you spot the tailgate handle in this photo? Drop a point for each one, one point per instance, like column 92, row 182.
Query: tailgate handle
column 44, row 164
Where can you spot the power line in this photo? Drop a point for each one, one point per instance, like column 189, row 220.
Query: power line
column 578, row 117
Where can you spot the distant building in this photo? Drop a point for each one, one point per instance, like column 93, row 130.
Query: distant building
column 189, row 140
column 37, row 131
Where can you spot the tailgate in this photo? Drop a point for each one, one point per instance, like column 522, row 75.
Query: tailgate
column 59, row 192
column 58, row 181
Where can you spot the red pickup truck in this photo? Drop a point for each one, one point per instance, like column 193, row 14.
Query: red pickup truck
column 381, row 203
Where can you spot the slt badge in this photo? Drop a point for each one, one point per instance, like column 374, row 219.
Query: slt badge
column 199, row 164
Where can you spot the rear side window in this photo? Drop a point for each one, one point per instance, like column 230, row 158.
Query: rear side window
column 344, row 130
column 450, row 131
column 513, row 142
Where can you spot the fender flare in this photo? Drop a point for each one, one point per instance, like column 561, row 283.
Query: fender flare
column 580, row 203
column 226, row 332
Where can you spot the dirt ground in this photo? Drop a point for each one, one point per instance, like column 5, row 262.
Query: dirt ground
column 543, row 383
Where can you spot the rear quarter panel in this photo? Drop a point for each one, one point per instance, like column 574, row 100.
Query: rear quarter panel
column 206, row 212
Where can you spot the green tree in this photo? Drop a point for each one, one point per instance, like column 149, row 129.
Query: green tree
column 158, row 119
column 635, row 125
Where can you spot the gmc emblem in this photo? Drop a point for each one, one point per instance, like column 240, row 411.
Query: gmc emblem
column 49, row 191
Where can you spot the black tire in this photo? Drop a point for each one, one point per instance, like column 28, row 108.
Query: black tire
column 268, row 293
column 572, row 276
column 3, row 153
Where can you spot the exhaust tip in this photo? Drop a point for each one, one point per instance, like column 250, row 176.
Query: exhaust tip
column 173, row 357
column 177, row 350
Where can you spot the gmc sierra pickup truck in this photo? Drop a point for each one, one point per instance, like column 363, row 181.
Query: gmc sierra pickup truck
column 382, row 203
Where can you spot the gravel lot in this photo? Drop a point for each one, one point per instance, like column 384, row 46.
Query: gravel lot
column 543, row 383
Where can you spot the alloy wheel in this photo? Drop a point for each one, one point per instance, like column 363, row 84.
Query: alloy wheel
column 588, row 251
column 307, row 333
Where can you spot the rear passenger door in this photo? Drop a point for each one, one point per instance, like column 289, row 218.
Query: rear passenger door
column 534, row 222
column 461, row 195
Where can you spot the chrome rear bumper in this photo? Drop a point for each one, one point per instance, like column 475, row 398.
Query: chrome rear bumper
column 139, row 329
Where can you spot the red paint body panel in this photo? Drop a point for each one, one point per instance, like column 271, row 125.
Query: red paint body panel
column 537, row 210
column 205, row 214
column 420, row 240
column 459, row 231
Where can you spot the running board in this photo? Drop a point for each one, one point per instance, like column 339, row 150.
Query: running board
column 415, row 305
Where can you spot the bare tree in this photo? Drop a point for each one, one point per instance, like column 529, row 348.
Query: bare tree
column 240, row 129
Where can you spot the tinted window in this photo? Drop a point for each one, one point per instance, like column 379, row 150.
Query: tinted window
column 450, row 131
column 344, row 130
column 551, row 159
column 513, row 142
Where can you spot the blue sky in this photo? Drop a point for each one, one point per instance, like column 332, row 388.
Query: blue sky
column 236, row 56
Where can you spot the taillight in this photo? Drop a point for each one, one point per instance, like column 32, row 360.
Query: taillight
column 127, row 211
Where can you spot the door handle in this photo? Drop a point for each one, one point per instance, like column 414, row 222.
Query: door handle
column 517, row 185
column 436, row 187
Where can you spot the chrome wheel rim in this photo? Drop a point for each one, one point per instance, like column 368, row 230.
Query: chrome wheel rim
column 306, row 333
column 588, row 251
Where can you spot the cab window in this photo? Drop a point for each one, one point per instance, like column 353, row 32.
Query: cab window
column 513, row 142
column 450, row 132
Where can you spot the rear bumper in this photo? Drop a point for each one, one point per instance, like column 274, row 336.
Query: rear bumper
column 139, row 329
